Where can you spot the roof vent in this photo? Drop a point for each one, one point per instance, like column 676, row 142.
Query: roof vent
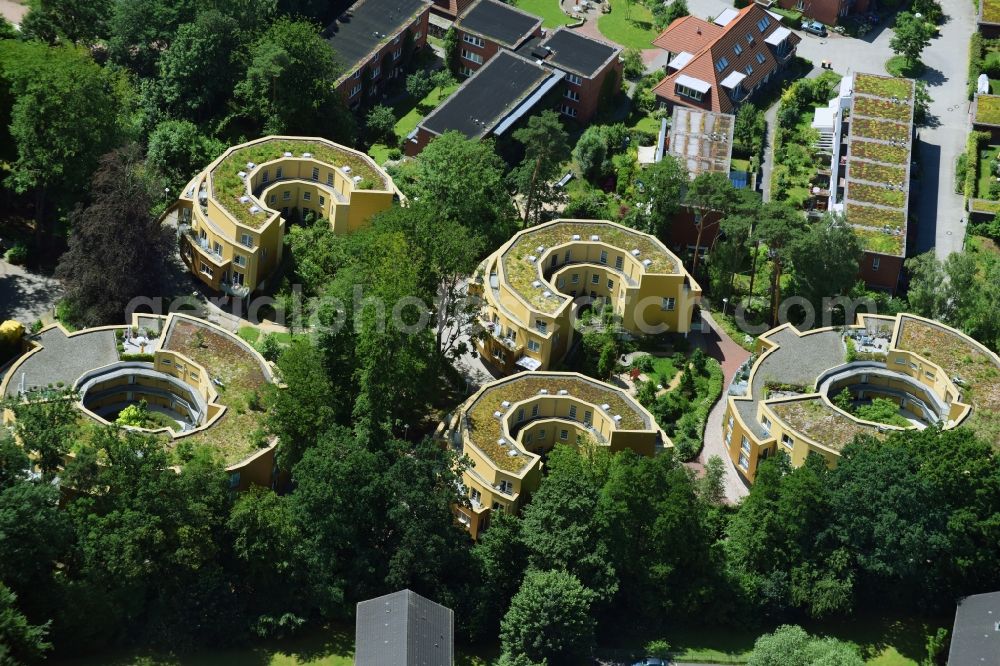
column 563, row 391
column 532, row 258
column 540, row 249
column 244, row 199
column 254, row 209
column 250, row 165
column 242, row 174
column 497, row 414
column 536, row 284
column 647, row 262
column 357, row 179
column 287, row 154
column 546, row 293
column 345, row 169
column 505, row 404
column 595, row 237
column 512, row 453
column 502, row 441
column 635, row 252
column 605, row 406
column 543, row 391
column 576, row 236
column 618, row 418
column 307, row 154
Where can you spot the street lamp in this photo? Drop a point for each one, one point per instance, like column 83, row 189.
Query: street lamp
column 725, row 304
column 166, row 193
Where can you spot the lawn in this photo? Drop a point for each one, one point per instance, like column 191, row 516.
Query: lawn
column 409, row 116
column 329, row 646
column 630, row 26
column 988, row 110
column 646, row 123
column 252, row 335
column 987, row 156
column 548, row 10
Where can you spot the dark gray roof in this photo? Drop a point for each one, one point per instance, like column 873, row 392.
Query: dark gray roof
column 498, row 22
column 403, row 629
column 975, row 639
column 578, row 53
column 64, row 358
column 488, row 96
column 364, row 27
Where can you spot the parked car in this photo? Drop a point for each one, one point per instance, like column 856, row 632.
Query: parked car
column 650, row 661
column 815, row 27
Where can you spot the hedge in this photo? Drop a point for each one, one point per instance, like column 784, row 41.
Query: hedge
column 972, row 162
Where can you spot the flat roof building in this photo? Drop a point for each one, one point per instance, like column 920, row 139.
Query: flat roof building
column 404, row 629
column 702, row 140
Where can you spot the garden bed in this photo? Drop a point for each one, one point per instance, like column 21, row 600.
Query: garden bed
column 882, row 108
column 883, row 130
column 876, row 195
column 988, row 110
column 821, row 423
column 883, row 86
column 879, row 152
column 876, row 173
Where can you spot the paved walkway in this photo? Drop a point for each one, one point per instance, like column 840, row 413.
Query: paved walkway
column 721, row 347
column 27, row 296
column 13, row 11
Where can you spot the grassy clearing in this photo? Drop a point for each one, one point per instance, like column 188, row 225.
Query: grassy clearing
column 409, row 115
column 547, row 10
column 632, row 28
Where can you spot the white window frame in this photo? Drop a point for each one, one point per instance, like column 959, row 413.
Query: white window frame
column 472, row 57
column 239, row 260
column 568, row 111
column 696, row 95
column 534, row 346
column 574, row 79
column 355, row 90
column 246, row 240
column 876, row 261
column 472, row 39
column 572, row 94
column 721, row 64
column 668, row 304
column 761, row 58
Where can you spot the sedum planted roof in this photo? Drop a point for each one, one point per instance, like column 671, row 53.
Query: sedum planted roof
column 520, row 272
column 227, row 186
column 877, row 186
column 484, row 429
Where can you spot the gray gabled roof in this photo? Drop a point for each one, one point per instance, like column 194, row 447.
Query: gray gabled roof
column 975, row 639
column 403, row 629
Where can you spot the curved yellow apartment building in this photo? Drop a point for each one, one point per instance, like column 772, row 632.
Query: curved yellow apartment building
column 508, row 427
column 936, row 374
column 232, row 216
column 533, row 285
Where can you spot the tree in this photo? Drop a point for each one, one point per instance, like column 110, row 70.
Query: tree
column 664, row 14
column 464, row 180
column 790, row 645
column 381, row 124
column 140, row 30
column 549, row 621
column 451, row 48
column 117, row 249
column 749, row 130
column 14, row 461
column 501, row 561
column 665, row 181
column 921, row 102
column 74, row 21
column 590, row 153
column 289, row 84
column 825, row 260
column 197, row 71
column 927, row 294
column 61, row 121
column 632, row 65
column 20, row 641
column 710, row 194
column 911, row 35
column 178, row 150
column 46, row 427
column 779, row 228
column 309, row 405
column 419, row 84
column 546, row 147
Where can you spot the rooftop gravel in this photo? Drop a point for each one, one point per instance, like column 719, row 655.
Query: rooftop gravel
column 485, row 428
column 228, row 187
column 521, row 273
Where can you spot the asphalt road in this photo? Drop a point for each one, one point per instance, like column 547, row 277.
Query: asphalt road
column 26, row 296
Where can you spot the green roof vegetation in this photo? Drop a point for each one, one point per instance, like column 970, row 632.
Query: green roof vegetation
column 521, row 273
column 485, row 428
column 882, row 108
column 984, row 206
column 874, row 240
column 815, row 419
column 236, row 434
column 988, row 109
column 870, row 216
column 880, row 129
column 874, row 194
column 960, row 357
column 877, row 173
column 228, row 187
column 991, row 11
column 879, row 152
column 883, row 86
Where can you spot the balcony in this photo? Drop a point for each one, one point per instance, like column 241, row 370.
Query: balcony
column 234, row 289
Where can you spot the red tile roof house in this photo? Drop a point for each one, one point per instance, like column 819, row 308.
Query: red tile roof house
column 717, row 65
column 826, row 11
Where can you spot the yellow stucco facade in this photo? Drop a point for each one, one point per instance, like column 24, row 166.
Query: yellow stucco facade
column 233, row 215
column 508, row 427
column 532, row 286
column 936, row 374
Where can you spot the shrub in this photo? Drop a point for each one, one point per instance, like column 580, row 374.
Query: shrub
column 380, row 123
column 143, row 358
column 270, row 348
column 632, row 64
column 395, row 154
column 18, row 254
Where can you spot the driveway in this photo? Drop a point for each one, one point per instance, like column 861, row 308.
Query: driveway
column 721, row 347
column 13, row 11
column 27, row 296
